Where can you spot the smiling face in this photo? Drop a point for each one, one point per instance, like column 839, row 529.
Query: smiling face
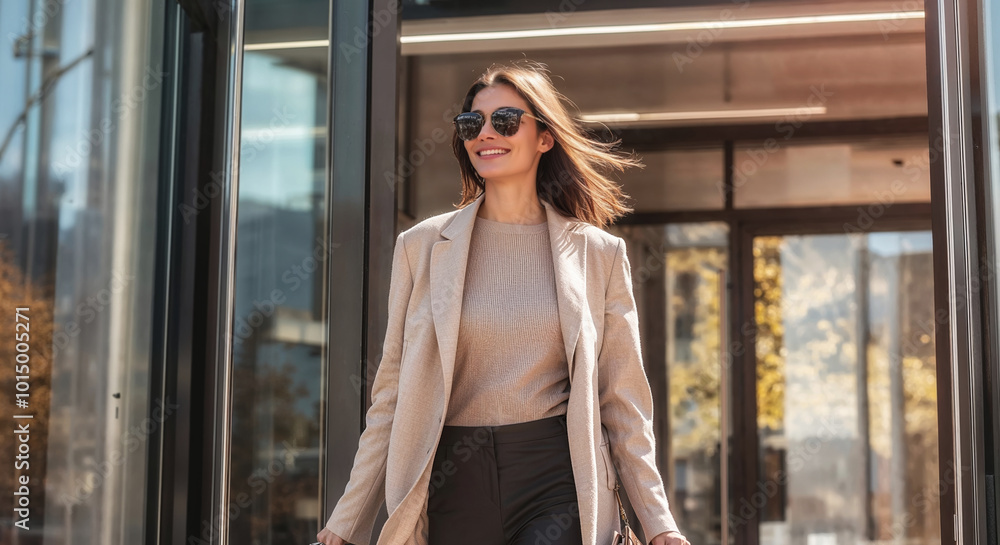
column 500, row 158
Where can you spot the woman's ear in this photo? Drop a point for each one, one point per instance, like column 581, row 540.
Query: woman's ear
column 548, row 141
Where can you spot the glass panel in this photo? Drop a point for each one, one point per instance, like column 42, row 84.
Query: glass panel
column 846, row 389
column 78, row 219
column 281, row 262
column 696, row 291
column 780, row 76
column 679, row 273
column 677, row 180
column 990, row 26
column 773, row 173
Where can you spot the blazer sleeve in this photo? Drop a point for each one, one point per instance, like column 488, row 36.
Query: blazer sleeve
column 627, row 404
column 354, row 516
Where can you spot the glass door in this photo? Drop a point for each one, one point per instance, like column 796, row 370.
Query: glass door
column 839, row 383
column 697, row 376
column 282, row 256
column 307, row 226
column 680, row 273
column 845, row 389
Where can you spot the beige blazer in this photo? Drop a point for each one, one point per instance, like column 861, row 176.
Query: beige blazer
column 610, row 408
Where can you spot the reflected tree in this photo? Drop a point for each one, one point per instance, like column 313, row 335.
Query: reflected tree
column 16, row 290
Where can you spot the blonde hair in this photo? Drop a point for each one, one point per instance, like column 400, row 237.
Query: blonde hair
column 569, row 175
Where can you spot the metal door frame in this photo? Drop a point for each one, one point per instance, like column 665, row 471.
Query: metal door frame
column 957, row 180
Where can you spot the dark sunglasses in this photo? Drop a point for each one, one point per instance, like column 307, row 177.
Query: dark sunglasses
column 506, row 121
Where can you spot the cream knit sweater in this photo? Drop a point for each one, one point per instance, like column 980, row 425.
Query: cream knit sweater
column 510, row 365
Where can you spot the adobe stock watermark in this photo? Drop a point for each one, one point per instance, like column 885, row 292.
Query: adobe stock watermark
column 747, row 166
column 222, row 8
column 292, row 279
column 925, row 500
column 914, row 168
column 74, row 155
column 88, row 310
column 796, row 460
column 558, row 524
column 41, row 17
column 381, row 21
column 258, row 481
column 130, row 441
column 889, row 26
column 701, row 41
column 249, row 149
column 395, row 350
column 461, row 452
column 423, row 148
column 867, row 215
column 565, row 8
column 392, row 346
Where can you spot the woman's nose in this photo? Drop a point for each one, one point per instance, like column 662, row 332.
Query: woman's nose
column 488, row 131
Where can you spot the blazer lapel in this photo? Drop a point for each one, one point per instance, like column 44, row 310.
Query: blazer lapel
column 447, row 272
column 569, row 258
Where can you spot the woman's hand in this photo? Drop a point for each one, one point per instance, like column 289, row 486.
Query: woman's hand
column 670, row 538
column 329, row 538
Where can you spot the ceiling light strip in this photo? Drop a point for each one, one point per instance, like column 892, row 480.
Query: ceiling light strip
column 661, row 27
column 303, row 44
column 632, row 117
column 615, row 29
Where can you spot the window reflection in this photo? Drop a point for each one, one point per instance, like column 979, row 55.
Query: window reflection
column 846, row 388
column 695, row 279
column 281, row 262
column 78, row 220
column 679, row 276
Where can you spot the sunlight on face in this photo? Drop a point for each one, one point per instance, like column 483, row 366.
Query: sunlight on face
column 504, row 159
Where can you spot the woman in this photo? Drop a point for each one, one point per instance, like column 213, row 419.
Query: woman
column 511, row 383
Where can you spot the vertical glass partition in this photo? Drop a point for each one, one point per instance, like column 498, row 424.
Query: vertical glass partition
column 680, row 273
column 846, row 389
column 80, row 119
column 282, row 254
column 696, row 276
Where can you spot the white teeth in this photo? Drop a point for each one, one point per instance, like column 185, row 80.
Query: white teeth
column 492, row 152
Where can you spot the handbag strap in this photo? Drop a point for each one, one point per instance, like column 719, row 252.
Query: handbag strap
column 621, row 508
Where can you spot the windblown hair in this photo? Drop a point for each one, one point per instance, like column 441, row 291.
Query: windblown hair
column 570, row 174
